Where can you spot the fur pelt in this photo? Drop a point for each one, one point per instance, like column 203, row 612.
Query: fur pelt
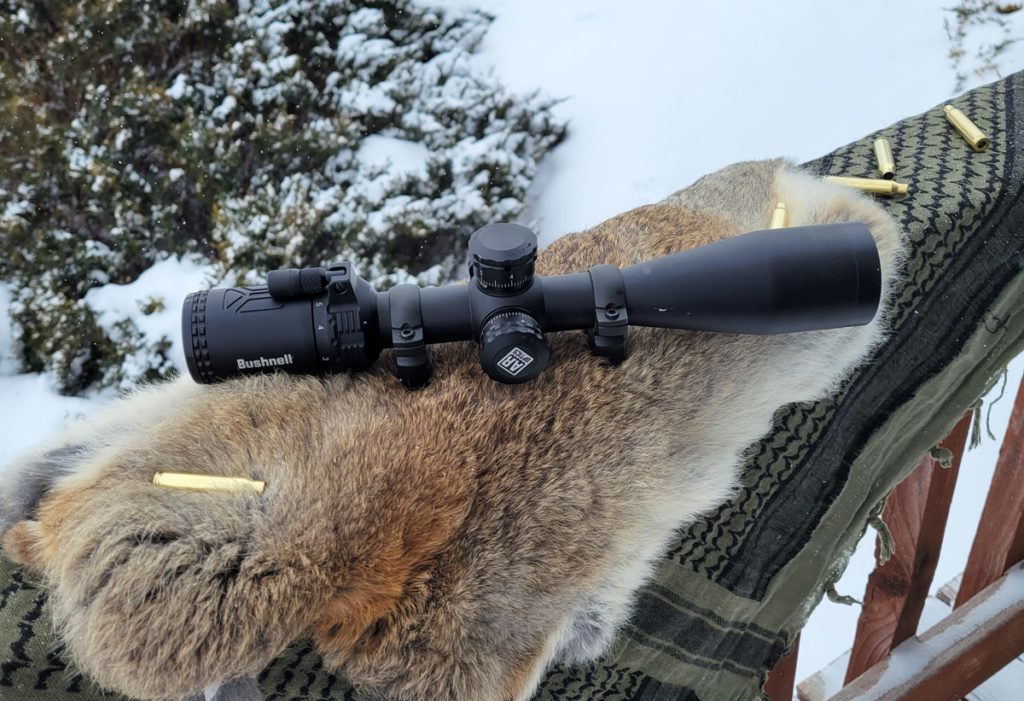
column 449, row 543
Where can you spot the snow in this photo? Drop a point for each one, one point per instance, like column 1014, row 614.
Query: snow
column 365, row 98
column 31, row 410
column 163, row 285
column 656, row 94
column 225, row 107
column 179, row 88
column 399, row 156
column 8, row 359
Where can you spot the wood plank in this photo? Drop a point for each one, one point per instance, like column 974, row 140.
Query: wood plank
column 999, row 541
column 947, row 592
column 828, row 681
column 782, row 678
column 955, row 656
column 916, row 514
column 1001, row 686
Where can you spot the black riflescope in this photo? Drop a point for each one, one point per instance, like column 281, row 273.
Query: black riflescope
column 319, row 320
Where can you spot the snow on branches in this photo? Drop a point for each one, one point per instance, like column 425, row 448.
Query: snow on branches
column 259, row 134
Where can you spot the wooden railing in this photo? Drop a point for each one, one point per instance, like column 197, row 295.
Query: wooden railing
column 983, row 632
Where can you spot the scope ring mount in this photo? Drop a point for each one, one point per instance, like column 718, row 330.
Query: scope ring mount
column 410, row 351
column 607, row 337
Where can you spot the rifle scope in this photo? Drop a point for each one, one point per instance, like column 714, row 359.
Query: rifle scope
column 319, row 320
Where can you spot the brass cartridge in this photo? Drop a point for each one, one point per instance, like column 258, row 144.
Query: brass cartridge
column 779, row 217
column 875, row 187
column 883, row 155
column 207, row 483
column 971, row 133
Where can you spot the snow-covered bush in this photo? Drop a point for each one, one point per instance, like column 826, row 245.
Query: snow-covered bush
column 258, row 133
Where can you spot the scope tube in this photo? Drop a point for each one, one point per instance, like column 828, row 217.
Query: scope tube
column 444, row 310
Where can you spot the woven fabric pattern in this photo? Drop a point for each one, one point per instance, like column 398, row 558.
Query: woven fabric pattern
column 737, row 585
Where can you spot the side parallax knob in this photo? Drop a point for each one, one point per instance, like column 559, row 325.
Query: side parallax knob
column 512, row 348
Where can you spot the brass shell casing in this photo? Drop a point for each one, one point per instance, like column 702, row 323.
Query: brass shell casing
column 875, row 187
column 207, row 483
column 779, row 217
column 971, row 133
column 883, row 155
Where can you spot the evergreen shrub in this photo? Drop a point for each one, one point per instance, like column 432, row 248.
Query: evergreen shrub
column 255, row 133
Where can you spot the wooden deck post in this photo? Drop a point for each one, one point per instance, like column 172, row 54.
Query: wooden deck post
column 916, row 514
column 999, row 542
column 782, row 678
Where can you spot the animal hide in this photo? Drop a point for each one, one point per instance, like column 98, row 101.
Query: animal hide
column 449, row 543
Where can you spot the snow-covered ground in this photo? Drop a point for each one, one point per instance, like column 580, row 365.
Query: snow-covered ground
column 656, row 94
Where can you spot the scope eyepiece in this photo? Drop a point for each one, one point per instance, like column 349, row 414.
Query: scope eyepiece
column 312, row 320
column 318, row 320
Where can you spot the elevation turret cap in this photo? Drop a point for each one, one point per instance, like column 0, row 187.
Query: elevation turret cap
column 502, row 258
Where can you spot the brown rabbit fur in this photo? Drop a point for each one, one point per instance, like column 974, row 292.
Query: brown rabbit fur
column 448, row 543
